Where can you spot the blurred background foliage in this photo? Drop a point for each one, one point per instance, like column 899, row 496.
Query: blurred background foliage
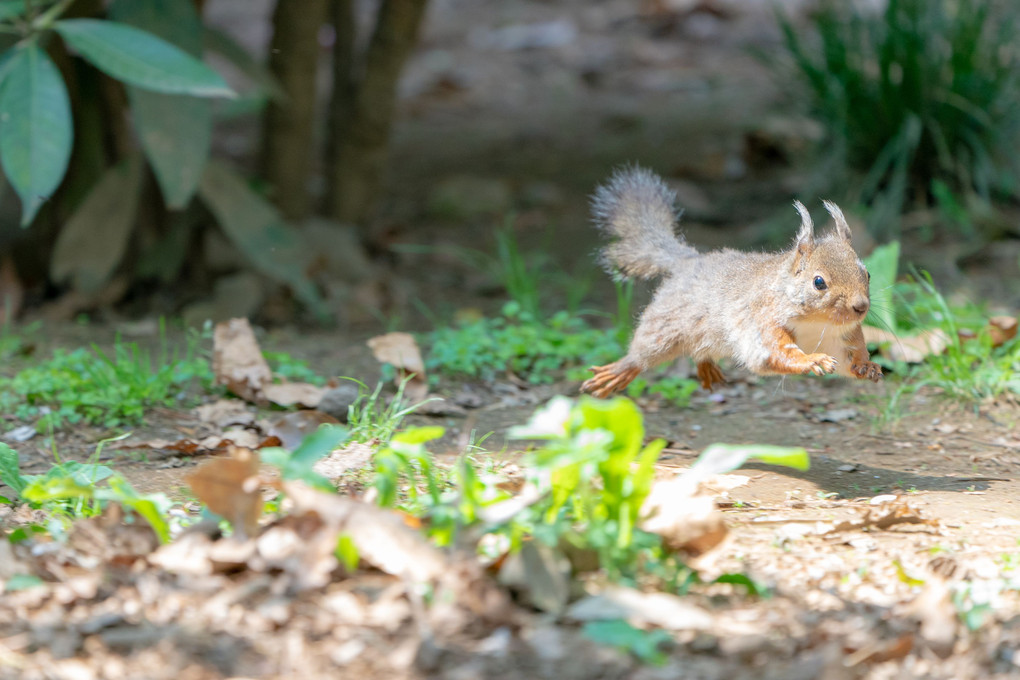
column 175, row 190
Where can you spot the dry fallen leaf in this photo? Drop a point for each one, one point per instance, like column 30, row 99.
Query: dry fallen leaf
column 231, row 487
column 401, row 351
column 909, row 348
column 883, row 517
column 238, row 362
column 639, row 608
column 300, row 394
column 223, row 413
column 1001, row 329
column 211, row 444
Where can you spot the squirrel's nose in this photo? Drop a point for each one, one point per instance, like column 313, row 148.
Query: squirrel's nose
column 861, row 305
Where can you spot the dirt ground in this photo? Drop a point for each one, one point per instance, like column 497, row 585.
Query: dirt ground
column 542, row 122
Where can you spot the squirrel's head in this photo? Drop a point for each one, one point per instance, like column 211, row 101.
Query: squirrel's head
column 830, row 281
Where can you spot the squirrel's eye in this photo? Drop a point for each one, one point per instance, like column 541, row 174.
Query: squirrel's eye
column 869, row 275
column 820, row 283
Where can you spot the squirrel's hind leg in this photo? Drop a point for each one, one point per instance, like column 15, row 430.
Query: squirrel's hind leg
column 610, row 378
column 710, row 374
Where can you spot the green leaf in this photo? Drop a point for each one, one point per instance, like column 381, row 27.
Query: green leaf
column 175, row 130
column 10, row 469
column 256, row 228
column 721, row 458
column 753, row 587
column 92, row 243
column 141, row 59
column 21, row 582
column 151, row 507
column 419, row 435
column 10, row 9
column 347, row 552
column 882, row 264
column 317, row 446
column 643, row 644
column 35, row 127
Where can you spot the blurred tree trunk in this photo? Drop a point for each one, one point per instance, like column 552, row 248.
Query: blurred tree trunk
column 290, row 124
column 363, row 104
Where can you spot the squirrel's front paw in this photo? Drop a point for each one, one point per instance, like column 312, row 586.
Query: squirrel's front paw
column 867, row 369
column 821, row 364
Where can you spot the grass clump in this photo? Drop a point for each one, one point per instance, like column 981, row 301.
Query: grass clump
column 921, row 101
column 522, row 343
column 971, row 367
column 92, row 386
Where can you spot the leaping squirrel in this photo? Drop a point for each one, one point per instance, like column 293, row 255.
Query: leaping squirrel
column 796, row 311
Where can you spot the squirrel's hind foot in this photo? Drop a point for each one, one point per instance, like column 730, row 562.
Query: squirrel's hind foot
column 710, row 374
column 868, row 370
column 609, row 379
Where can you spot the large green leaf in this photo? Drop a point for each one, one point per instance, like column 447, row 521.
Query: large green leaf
column 35, row 127
column 259, row 232
column 175, row 130
column 141, row 59
column 92, row 243
column 11, row 8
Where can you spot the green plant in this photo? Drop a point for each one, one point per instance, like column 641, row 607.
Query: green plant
column 70, row 490
column 522, row 343
column 371, row 419
column 675, row 390
column 289, row 368
column 645, row 645
column 36, row 137
column 920, row 100
column 100, row 388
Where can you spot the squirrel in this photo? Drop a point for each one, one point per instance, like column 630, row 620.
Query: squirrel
column 795, row 311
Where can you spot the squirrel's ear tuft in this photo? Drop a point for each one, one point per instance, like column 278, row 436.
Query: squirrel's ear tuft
column 806, row 233
column 805, row 237
column 842, row 228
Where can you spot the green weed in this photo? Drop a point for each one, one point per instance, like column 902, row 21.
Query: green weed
column 287, row 367
column 520, row 342
column 89, row 385
column 70, row 490
column 677, row 391
column 372, row 419
column 921, row 101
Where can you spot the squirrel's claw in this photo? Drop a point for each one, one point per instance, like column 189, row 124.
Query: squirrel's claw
column 609, row 379
column 709, row 374
column 868, row 370
column 822, row 364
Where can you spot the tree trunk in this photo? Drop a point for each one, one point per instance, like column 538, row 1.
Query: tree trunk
column 290, row 124
column 363, row 123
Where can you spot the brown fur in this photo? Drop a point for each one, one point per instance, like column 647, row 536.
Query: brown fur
column 761, row 310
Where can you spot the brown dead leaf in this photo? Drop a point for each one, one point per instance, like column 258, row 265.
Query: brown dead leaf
column 883, row 517
column 639, row 608
column 223, row 413
column 300, row 394
column 211, row 444
column 238, row 362
column 401, row 351
column 292, row 428
column 1001, row 329
column 382, row 539
column 689, row 524
column 231, row 487
column 351, row 457
column 909, row 348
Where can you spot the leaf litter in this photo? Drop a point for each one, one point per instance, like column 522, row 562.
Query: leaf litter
column 278, row 597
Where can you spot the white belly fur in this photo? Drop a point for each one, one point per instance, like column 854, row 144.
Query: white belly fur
column 813, row 337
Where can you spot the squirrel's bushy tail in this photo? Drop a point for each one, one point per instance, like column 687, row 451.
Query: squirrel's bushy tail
column 638, row 210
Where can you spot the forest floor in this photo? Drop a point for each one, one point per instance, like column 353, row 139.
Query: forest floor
column 894, row 556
